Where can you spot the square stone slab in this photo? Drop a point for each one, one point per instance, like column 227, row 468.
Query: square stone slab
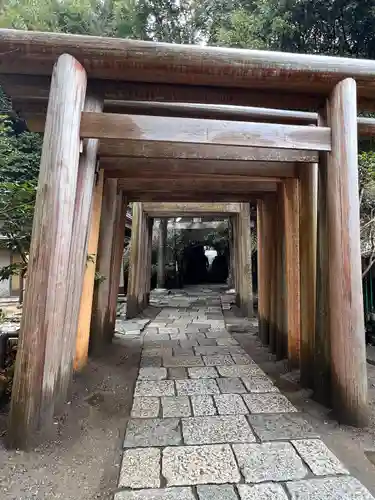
column 206, row 372
column 329, row 488
column 218, row 360
column 177, row 373
column 150, row 361
column 189, row 465
column 318, row 457
column 183, row 351
column 163, row 494
column 259, row 383
column 157, row 351
column 217, row 333
column 216, row 492
column 190, row 387
column 241, row 359
column 154, row 388
column 226, row 341
column 147, row 407
column 210, row 349
column 230, row 404
column 221, row 429
column 151, row 373
column 266, row 491
column 175, row 406
column 203, row 406
column 140, row 468
column 175, row 361
column 188, row 343
column 283, row 426
column 207, row 342
column 268, row 403
column 269, row 462
column 231, row 385
column 152, row 432
column 239, row 371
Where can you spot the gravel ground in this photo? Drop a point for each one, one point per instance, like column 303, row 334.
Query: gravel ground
column 82, row 462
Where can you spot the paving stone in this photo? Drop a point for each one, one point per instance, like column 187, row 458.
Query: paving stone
column 318, row 457
column 266, row 491
column 241, row 359
column 239, row 371
column 196, row 336
column 211, row 349
column 186, row 344
column 268, row 403
column 175, row 406
column 150, row 330
column 207, row 342
column 226, row 341
column 178, row 336
column 259, row 383
column 192, row 328
column 283, row 426
column 152, row 432
column 140, row 468
column 231, row 385
column 329, row 488
column 217, row 360
column 147, row 407
column 149, row 361
column 197, row 387
column 221, row 429
column 162, row 494
column 216, row 334
column 189, row 465
column 177, row 373
column 216, row 492
column 152, row 373
column 203, row 406
column 269, row 462
column 230, row 404
column 154, row 388
column 206, row 372
column 183, row 351
column 171, row 362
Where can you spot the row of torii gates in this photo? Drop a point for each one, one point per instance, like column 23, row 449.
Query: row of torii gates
column 109, row 140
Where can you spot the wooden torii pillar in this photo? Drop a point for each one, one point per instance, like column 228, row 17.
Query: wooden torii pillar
column 339, row 261
column 163, row 225
column 58, row 249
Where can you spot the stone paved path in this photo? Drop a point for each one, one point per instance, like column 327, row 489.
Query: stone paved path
column 208, row 424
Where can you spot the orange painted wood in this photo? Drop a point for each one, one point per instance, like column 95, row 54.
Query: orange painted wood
column 308, row 200
column 83, row 330
column 292, row 268
column 39, row 349
column 345, row 301
column 101, row 333
column 78, row 253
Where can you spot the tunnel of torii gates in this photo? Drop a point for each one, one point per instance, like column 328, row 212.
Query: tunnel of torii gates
column 108, row 141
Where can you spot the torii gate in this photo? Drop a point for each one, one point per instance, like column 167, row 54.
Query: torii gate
column 63, row 83
column 140, row 263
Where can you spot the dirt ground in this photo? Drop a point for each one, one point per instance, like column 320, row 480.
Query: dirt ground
column 355, row 447
column 82, row 462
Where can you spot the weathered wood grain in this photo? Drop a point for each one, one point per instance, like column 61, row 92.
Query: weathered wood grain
column 134, row 274
column 292, row 268
column 193, row 209
column 162, row 241
column 348, row 350
column 43, row 315
column 204, row 131
column 100, row 319
column 308, row 200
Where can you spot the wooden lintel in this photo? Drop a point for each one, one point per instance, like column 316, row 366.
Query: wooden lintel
column 193, row 185
column 151, row 150
column 151, row 167
column 193, row 209
column 183, row 197
column 204, row 131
